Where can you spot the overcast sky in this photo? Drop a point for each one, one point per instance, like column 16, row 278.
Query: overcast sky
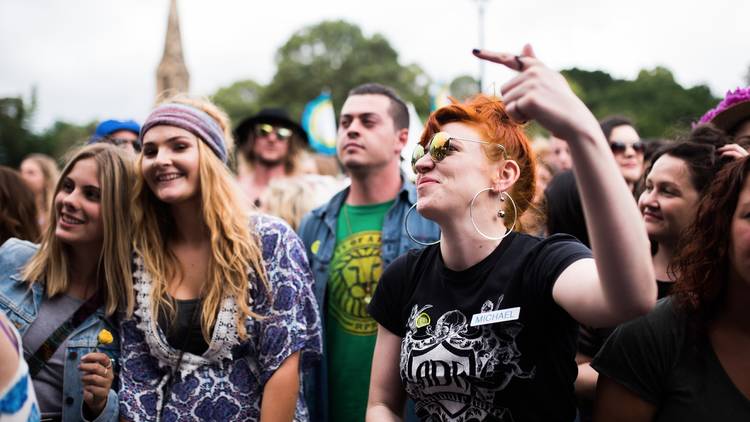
column 97, row 59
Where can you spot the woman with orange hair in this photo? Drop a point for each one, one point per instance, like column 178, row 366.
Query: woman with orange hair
column 483, row 325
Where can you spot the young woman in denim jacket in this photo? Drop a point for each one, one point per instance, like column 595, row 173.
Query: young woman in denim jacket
column 225, row 317
column 83, row 260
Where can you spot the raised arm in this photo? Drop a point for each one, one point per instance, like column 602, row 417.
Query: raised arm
column 620, row 284
column 387, row 396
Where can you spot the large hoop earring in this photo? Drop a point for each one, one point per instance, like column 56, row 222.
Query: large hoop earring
column 500, row 213
column 408, row 233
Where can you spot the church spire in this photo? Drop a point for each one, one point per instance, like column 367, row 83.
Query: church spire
column 172, row 74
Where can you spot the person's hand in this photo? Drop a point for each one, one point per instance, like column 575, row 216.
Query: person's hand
column 542, row 94
column 732, row 150
column 97, row 375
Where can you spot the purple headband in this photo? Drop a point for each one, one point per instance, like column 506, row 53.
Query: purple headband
column 191, row 119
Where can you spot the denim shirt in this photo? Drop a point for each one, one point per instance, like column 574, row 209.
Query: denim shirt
column 318, row 232
column 21, row 305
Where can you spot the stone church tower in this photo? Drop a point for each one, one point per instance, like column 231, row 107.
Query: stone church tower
column 172, row 74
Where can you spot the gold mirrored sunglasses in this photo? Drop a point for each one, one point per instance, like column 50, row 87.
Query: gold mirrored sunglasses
column 265, row 129
column 439, row 148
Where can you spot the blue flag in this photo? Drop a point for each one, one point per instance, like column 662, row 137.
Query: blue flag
column 319, row 120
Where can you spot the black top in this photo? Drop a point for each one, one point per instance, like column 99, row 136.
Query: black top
column 487, row 343
column 564, row 208
column 592, row 339
column 655, row 358
column 185, row 332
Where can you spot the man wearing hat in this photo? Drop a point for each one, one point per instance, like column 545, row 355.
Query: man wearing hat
column 122, row 133
column 732, row 115
column 270, row 143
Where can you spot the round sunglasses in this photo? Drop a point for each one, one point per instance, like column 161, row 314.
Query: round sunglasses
column 266, row 129
column 619, row 147
column 439, row 148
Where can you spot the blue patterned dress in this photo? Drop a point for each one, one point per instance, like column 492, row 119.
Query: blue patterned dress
column 17, row 399
column 226, row 382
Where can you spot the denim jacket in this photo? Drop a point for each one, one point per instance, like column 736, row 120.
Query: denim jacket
column 21, row 304
column 318, row 233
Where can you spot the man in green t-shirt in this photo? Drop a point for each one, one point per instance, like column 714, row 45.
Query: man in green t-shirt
column 349, row 242
column 350, row 331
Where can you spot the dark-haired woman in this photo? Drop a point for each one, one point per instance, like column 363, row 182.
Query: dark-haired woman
column 676, row 181
column 17, row 208
column 688, row 359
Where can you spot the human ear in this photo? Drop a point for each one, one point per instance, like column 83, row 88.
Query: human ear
column 506, row 175
column 402, row 136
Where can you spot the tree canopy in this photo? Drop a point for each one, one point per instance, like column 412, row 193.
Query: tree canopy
column 659, row 106
column 335, row 56
column 332, row 56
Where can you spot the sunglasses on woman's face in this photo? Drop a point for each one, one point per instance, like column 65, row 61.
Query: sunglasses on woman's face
column 619, row 147
column 266, row 129
column 439, row 148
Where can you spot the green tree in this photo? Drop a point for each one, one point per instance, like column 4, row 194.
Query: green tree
column 659, row 105
column 336, row 56
column 239, row 100
column 62, row 136
column 463, row 87
column 16, row 138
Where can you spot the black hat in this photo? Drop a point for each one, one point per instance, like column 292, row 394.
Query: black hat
column 272, row 116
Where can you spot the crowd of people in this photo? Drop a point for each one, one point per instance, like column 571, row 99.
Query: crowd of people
column 165, row 275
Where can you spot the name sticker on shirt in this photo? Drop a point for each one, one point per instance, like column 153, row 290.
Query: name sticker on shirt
column 501, row 315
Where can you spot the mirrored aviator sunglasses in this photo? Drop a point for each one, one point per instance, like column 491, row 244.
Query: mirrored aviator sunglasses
column 266, row 129
column 439, row 147
column 619, row 147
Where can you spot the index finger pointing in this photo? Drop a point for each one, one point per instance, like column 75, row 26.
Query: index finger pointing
column 516, row 62
column 505, row 59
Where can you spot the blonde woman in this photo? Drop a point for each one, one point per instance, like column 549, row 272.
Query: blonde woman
column 62, row 294
column 293, row 197
column 225, row 317
column 40, row 173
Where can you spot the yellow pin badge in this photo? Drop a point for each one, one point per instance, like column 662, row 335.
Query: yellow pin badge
column 423, row 320
column 314, row 247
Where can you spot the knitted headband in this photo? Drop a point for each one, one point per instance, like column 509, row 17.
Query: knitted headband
column 191, row 119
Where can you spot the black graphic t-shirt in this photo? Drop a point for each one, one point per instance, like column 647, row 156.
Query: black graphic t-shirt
column 488, row 343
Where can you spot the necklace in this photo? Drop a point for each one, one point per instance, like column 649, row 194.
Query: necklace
column 368, row 286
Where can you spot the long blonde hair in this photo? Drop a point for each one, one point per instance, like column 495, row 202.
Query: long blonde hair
column 235, row 251
column 50, row 263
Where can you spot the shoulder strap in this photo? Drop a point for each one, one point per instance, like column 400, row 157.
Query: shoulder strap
column 39, row 358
